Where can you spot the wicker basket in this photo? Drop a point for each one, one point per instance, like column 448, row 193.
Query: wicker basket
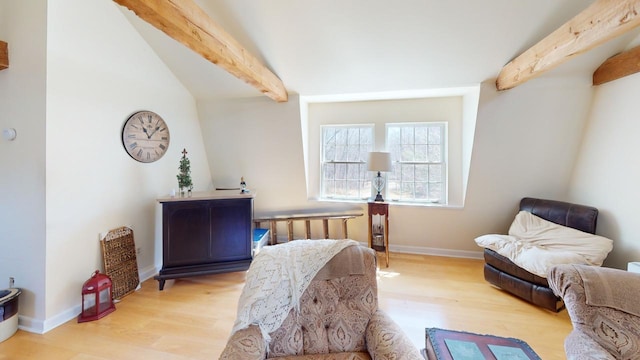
column 120, row 262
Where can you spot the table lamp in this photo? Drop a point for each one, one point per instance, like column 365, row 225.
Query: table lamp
column 379, row 161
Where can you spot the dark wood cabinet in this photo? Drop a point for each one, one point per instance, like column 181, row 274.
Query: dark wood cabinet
column 205, row 234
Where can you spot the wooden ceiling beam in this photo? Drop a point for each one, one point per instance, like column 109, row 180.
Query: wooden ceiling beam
column 600, row 22
column 4, row 55
column 187, row 23
column 621, row 65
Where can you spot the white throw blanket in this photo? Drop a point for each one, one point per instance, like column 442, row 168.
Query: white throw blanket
column 276, row 279
column 536, row 244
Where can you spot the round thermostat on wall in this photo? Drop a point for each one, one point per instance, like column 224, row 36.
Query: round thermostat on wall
column 9, row 134
column 145, row 136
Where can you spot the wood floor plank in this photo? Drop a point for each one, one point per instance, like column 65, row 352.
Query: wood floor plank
column 192, row 318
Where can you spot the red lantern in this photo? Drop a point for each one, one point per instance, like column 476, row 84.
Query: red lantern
column 96, row 298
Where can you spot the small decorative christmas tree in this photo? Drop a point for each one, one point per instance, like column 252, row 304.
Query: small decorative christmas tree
column 184, row 177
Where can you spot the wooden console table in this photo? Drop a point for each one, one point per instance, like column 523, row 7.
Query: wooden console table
column 207, row 233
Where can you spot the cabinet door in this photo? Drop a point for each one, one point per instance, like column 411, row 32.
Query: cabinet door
column 186, row 238
column 231, row 230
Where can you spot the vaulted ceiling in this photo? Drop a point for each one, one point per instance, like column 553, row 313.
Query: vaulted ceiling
column 333, row 47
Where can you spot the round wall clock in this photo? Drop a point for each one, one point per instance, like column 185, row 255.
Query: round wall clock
column 145, row 136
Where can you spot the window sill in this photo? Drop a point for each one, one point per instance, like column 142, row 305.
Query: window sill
column 391, row 202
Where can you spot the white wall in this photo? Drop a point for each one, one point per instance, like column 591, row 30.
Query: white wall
column 260, row 140
column 22, row 161
column 607, row 173
column 526, row 140
column 98, row 72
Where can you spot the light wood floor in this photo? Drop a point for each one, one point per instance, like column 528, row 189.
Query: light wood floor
column 192, row 318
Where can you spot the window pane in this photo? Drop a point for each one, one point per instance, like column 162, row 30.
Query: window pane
column 421, row 190
column 407, row 172
column 366, row 136
column 417, row 152
column 393, row 136
column 394, row 174
column 407, row 190
column 421, row 172
column 435, row 153
column 435, row 192
column 393, row 189
column 353, row 188
column 341, row 136
column 341, row 171
column 421, row 135
column 329, row 171
column 406, row 135
column 329, row 187
column 435, row 134
column 352, row 171
column 435, row 173
column 353, row 153
column 421, row 153
column 353, row 135
column 341, row 153
column 341, row 188
column 344, row 151
column 407, row 153
column 395, row 151
column 329, row 135
column 364, row 152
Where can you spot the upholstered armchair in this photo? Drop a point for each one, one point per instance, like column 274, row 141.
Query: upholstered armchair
column 604, row 310
column 338, row 318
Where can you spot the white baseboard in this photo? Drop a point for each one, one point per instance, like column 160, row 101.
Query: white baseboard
column 148, row 272
column 421, row 250
column 30, row 324
column 40, row 327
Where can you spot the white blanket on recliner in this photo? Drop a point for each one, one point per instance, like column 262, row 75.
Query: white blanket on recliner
column 276, row 279
column 536, row 244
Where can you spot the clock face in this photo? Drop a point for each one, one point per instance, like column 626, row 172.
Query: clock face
column 145, row 136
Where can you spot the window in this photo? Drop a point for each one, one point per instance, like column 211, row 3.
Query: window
column 419, row 168
column 447, row 175
column 417, row 152
column 343, row 161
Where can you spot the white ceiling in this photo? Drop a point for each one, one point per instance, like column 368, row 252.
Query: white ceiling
column 328, row 47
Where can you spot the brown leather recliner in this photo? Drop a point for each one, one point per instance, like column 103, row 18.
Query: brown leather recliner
column 503, row 273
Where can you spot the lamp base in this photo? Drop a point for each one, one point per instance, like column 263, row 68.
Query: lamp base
column 378, row 197
column 91, row 317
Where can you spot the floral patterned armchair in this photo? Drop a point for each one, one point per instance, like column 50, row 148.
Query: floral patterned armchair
column 604, row 310
column 338, row 318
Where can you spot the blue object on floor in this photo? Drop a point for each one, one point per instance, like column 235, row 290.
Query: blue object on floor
column 260, row 238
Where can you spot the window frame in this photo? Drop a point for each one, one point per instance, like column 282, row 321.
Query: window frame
column 363, row 178
column 396, row 162
column 367, row 176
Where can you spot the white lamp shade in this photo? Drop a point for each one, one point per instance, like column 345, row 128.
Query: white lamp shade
column 379, row 161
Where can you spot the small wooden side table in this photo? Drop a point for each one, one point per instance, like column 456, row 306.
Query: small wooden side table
column 379, row 227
